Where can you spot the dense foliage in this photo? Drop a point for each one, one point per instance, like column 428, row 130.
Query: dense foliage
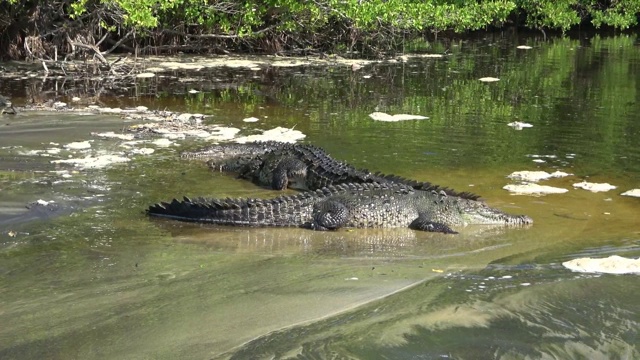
column 37, row 28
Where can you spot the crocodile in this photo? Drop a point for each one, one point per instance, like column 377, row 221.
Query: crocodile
column 355, row 205
column 6, row 107
column 280, row 165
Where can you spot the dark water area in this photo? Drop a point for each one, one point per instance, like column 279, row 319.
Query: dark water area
column 107, row 282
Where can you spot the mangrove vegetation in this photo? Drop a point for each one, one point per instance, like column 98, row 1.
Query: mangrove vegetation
column 62, row 29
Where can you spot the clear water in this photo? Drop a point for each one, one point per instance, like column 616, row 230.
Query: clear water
column 108, row 282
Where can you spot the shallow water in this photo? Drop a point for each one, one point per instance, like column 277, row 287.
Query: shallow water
column 108, row 282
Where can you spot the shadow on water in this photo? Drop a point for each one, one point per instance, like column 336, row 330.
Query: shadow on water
column 107, row 282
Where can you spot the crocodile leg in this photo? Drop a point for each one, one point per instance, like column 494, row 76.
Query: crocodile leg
column 329, row 215
column 424, row 224
column 288, row 170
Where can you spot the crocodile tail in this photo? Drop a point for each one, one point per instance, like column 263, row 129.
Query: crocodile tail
column 187, row 209
column 281, row 211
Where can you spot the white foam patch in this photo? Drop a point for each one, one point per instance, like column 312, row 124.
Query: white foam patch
column 632, row 192
column 107, row 110
column 93, row 162
column 129, row 144
column 276, row 134
column 594, row 187
column 143, row 151
column 519, row 125
column 223, row 133
column 146, row 75
column 186, row 117
column 380, row 116
column 112, row 135
column 162, row 142
column 79, row 145
column 612, row 265
column 533, row 189
column 536, row 176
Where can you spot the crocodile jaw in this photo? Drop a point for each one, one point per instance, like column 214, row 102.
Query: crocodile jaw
column 479, row 213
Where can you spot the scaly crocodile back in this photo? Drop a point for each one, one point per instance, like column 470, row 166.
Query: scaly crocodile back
column 295, row 210
column 258, row 162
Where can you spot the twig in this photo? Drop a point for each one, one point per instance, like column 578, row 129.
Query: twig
column 115, row 46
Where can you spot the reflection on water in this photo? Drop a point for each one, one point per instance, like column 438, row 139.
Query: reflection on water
column 108, row 282
column 354, row 243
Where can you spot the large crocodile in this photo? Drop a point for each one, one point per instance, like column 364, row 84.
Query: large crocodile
column 299, row 166
column 360, row 205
